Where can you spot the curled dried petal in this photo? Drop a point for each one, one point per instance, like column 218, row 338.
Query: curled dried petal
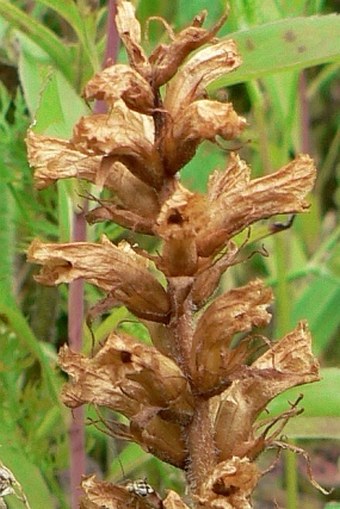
column 238, row 310
column 117, row 270
column 176, row 226
column 166, row 58
column 161, row 438
column 127, row 376
column 130, row 33
column 288, row 363
column 173, row 501
column 99, row 494
column 236, row 201
column 201, row 120
column 121, row 82
column 204, row 67
column 209, row 274
column 125, row 134
column 55, row 159
column 230, row 484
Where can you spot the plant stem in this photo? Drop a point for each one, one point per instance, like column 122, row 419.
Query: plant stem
column 75, row 326
column 291, row 479
column 76, row 295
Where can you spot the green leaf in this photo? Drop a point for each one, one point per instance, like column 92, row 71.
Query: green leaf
column 288, row 44
column 20, row 326
column 319, row 304
column 40, row 35
column 26, row 473
column 82, row 24
column 60, row 107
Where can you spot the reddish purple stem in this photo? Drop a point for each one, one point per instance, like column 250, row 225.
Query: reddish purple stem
column 76, row 296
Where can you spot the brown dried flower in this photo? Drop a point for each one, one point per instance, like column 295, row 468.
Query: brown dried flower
column 191, row 398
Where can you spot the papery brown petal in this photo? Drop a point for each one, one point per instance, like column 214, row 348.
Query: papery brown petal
column 125, row 134
column 55, row 159
column 288, row 363
column 127, row 376
column 99, row 494
column 204, row 67
column 238, row 310
column 127, row 187
column 117, row 270
column 201, row 120
column 236, row 201
column 161, row 438
column 130, row 33
column 167, row 58
column 230, row 485
column 173, row 501
column 208, row 276
column 121, row 82
column 123, row 217
column 176, row 226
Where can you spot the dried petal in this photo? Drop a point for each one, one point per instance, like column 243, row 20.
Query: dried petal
column 161, row 438
column 99, row 494
column 121, row 82
column 127, row 376
column 208, row 276
column 201, row 120
column 204, row 67
column 238, row 310
column 125, row 134
column 173, row 501
column 130, row 33
column 288, row 363
column 236, row 201
column 55, row 159
column 166, row 58
column 230, row 485
column 176, row 226
column 118, row 270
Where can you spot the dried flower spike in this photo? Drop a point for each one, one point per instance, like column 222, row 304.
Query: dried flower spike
column 193, row 397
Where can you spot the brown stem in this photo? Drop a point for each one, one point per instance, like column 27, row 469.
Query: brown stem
column 201, row 446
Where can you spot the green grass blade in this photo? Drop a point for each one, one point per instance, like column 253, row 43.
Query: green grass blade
column 319, row 304
column 19, row 325
column 81, row 24
column 27, row 474
column 285, row 45
column 40, row 35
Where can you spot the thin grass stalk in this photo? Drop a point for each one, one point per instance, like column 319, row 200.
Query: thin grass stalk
column 76, row 298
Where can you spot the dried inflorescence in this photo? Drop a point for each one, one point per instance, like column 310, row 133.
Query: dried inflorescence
column 192, row 398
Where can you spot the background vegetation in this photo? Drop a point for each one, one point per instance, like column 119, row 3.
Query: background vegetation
column 289, row 90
